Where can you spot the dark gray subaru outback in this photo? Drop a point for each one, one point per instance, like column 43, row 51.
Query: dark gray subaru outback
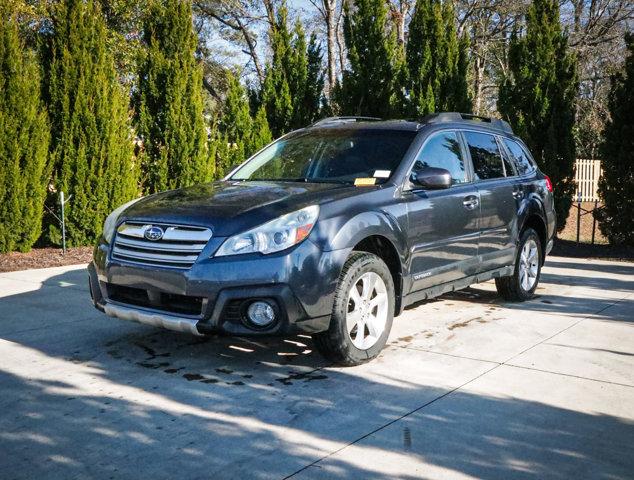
column 333, row 230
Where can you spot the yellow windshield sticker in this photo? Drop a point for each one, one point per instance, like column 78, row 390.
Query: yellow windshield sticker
column 364, row 181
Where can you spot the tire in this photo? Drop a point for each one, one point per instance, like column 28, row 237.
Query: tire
column 522, row 284
column 369, row 312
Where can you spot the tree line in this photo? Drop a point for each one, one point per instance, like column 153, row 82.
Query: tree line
column 107, row 100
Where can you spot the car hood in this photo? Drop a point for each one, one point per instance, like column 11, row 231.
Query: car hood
column 230, row 207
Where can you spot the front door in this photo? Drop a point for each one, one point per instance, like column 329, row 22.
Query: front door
column 443, row 224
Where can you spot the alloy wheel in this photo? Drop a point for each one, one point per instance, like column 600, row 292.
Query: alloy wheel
column 529, row 265
column 367, row 310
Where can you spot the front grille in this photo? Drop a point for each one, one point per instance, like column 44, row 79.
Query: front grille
column 179, row 246
column 168, row 302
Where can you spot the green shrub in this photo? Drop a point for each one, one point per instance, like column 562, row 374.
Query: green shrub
column 238, row 135
column 437, row 61
column 170, row 103
column 616, row 186
column 24, row 140
column 91, row 147
column 538, row 98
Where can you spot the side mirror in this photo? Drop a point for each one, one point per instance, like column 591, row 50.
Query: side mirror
column 431, row 178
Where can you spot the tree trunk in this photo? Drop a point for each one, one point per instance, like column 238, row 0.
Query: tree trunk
column 398, row 14
column 478, row 78
column 330, row 14
column 340, row 42
column 270, row 12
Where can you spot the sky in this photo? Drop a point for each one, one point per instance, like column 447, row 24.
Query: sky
column 227, row 53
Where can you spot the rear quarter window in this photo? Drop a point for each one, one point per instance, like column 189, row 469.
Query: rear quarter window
column 485, row 155
column 520, row 156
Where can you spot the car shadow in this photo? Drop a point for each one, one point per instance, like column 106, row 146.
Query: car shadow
column 563, row 275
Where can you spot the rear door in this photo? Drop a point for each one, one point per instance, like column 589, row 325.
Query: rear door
column 443, row 224
column 493, row 176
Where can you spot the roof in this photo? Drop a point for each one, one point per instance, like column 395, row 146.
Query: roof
column 366, row 123
column 413, row 125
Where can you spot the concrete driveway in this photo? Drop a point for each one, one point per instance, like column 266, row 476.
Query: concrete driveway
column 469, row 387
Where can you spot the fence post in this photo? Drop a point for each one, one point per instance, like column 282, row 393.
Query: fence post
column 578, row 215
column 61, row 201
column 594, row 219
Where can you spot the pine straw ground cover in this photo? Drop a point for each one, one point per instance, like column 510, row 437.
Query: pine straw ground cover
column 43, row 258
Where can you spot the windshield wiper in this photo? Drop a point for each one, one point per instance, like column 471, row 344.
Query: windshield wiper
column 297, row 180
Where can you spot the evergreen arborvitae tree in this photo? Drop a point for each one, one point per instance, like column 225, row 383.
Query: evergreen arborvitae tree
column 292, row 89
column 400, row 100
column 616, row 186
column 276, row 96
column 260, row 133
column 297, row 74
column 461, row 100
column 238, row 135
column 170, row 103
column 91, row 141
column 310, row 85
column 24, row 139
column 538, row 98
column 368, row 85
column 437, row 61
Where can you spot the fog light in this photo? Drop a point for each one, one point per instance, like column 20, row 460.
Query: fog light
column 261, row 314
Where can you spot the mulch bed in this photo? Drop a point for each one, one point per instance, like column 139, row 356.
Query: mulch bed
column 43, row 258
column 566, row 242
column 585, row 226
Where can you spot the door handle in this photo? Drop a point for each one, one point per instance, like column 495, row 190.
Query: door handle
column 470, row 202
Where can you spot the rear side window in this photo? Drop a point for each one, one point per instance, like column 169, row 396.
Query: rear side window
column 520, row 156
column 485, row 154
column 443, row 151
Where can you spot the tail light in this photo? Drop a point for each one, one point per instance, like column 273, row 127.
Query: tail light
column 549, row 184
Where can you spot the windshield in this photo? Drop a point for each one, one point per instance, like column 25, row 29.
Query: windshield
column 331, row 156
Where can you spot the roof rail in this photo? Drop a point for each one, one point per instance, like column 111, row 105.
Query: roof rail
column 330, row 120
column 459, row 117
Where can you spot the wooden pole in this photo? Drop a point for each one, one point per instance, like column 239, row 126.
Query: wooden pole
column 594, row 220
column 61, row 201
column 578, row 216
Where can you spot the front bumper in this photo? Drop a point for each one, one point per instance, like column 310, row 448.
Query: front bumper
column 300, row 283
column 155, row 319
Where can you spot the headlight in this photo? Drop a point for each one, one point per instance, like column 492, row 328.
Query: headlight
column 273, row 236
column 111, row 220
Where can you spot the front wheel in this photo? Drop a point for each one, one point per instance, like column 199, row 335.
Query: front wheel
column 522, row 284
column 362, row 312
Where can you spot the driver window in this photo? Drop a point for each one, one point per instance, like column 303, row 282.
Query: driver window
column 443, row 150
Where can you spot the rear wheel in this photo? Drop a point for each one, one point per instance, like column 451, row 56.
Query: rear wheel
column 362, row 312
column 522, row 284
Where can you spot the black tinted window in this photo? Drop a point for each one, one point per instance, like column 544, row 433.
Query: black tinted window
column 443, row 151
column 520, row 156
column 485, row 154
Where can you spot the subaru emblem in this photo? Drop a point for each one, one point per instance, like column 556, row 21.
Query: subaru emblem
column 153, row 233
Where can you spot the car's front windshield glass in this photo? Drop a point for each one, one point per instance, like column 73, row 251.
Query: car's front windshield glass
column 330, row 155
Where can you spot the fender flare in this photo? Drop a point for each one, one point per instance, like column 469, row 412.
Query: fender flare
column 367, row 224
column 533, row 208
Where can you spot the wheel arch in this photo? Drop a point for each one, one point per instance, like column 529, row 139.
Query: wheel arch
column 537, row 223
column 382, row 247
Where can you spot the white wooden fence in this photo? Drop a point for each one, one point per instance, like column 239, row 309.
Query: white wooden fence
column 587, row 173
